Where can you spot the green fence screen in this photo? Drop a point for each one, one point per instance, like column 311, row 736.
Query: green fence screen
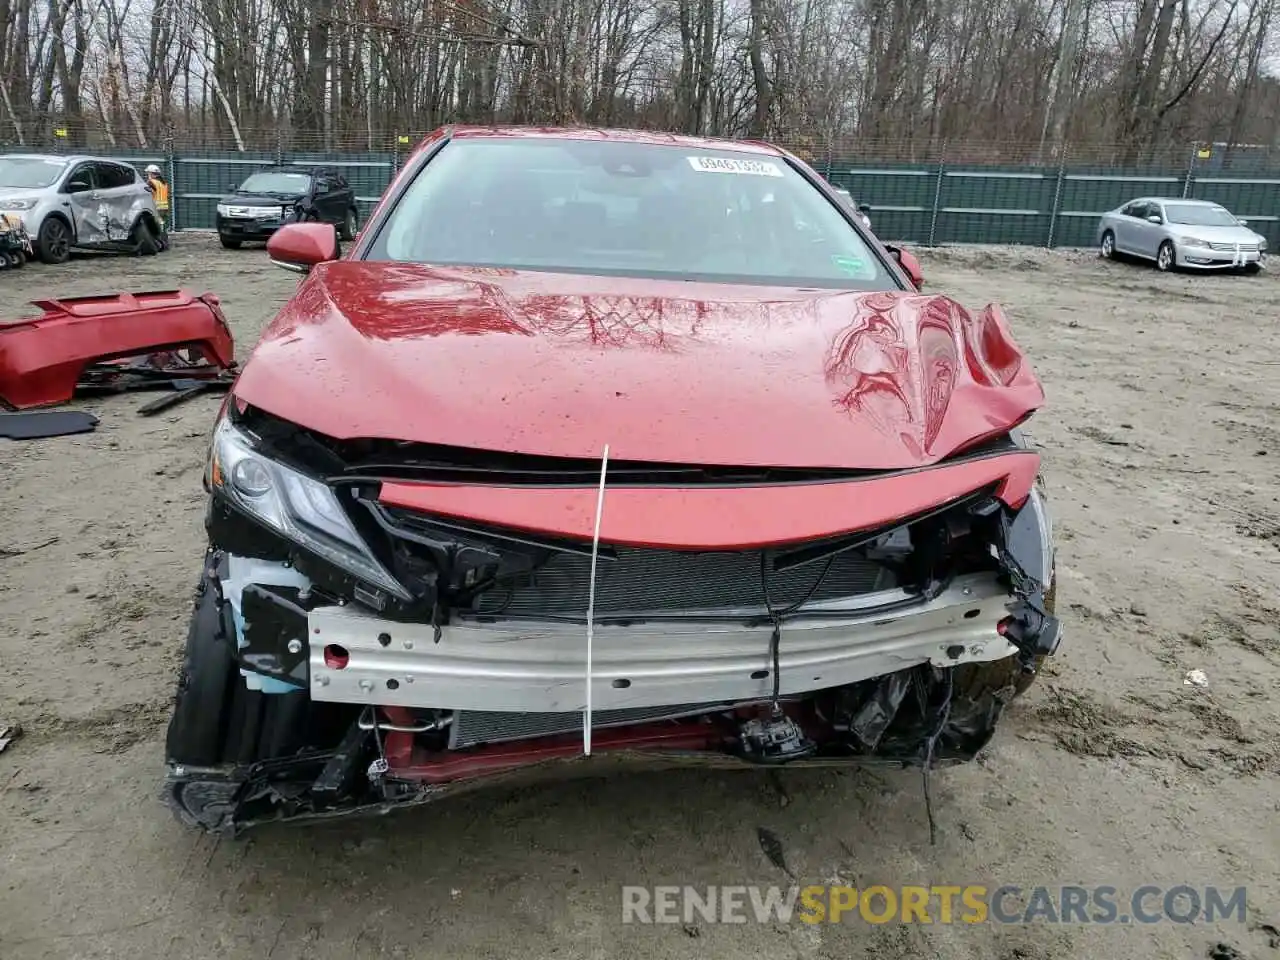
column 927, row 205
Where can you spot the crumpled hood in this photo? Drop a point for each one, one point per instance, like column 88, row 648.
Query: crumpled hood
column 670, row 371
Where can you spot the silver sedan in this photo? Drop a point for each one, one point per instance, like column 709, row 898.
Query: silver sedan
column 1194, row 234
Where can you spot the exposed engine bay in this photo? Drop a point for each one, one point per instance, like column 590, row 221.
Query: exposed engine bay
column 369, row 655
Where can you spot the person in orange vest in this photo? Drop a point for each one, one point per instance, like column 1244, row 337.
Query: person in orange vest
column 160, row 190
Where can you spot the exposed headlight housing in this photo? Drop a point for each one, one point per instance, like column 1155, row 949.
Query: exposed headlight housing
column 25, row 203
column 300, row 508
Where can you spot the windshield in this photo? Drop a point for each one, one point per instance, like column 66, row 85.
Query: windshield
column 626, row 209
column 30, row 172
column 1192, row 214
column 277, row 183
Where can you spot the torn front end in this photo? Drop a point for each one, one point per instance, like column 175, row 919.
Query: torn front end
column 380, row 624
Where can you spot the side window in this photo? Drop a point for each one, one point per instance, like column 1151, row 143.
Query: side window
column 111, row 176
column 80, row 179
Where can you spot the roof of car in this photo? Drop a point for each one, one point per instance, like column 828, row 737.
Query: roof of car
column 1194, row 203
column 625, row 136
column 299, row 169
column 65, row 157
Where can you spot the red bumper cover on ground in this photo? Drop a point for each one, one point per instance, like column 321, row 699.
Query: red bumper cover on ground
column 43, row 359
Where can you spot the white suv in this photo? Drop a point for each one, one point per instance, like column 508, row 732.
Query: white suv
column 78, row 201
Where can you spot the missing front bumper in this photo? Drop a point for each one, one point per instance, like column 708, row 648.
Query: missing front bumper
column 358, row 658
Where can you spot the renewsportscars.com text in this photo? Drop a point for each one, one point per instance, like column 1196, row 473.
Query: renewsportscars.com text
column 939, row 904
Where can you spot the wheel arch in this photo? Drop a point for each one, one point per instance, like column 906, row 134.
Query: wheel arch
column 54, row 215
column 149, row 218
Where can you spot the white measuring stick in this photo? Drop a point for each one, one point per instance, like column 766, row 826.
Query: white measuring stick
column 591, row 601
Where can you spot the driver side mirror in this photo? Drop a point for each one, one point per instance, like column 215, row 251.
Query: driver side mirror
column 909, row 264
column 1155, row 218
column 300, row 246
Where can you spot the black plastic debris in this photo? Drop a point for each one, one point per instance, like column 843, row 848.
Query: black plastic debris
column 871, row 718
column 184, row 390
column 41, row 424
column 772, row 848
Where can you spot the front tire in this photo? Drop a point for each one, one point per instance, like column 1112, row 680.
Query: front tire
column 1166, row 257
column 53, row 243
column 219, row 727
column 347, row 232
column 144, row 238
column 1108, row 246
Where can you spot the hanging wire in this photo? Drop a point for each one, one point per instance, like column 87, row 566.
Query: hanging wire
column 944, row 716
column 775, row 617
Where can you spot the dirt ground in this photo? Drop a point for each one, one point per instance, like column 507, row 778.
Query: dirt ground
column 1162, row 440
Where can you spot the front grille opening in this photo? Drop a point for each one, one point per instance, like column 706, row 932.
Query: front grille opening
column 503, row 574
column 667, row 581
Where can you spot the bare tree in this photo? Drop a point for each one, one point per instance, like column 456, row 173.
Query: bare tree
column 895, row 76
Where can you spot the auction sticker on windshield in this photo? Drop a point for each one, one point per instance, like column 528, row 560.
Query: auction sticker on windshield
column 756, row 168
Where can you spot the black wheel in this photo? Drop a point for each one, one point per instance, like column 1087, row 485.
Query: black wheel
column 204, row 683
column 54, row 240
column 349, row 226
column 144, row 239
column 229, row 243
column 206, row 804
column 1166, row 260
column 1108, row 245
column 219, row 727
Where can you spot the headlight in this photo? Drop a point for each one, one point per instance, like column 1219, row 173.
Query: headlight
column 26, row 204
column 298, row 507
column 224, row 210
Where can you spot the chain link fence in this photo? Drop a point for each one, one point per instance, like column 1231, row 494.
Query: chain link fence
column 924, row 192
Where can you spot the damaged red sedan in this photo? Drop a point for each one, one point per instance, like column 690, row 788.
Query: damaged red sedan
column 600, row 443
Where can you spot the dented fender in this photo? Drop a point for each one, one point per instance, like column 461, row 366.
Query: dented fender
column 43, row 358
